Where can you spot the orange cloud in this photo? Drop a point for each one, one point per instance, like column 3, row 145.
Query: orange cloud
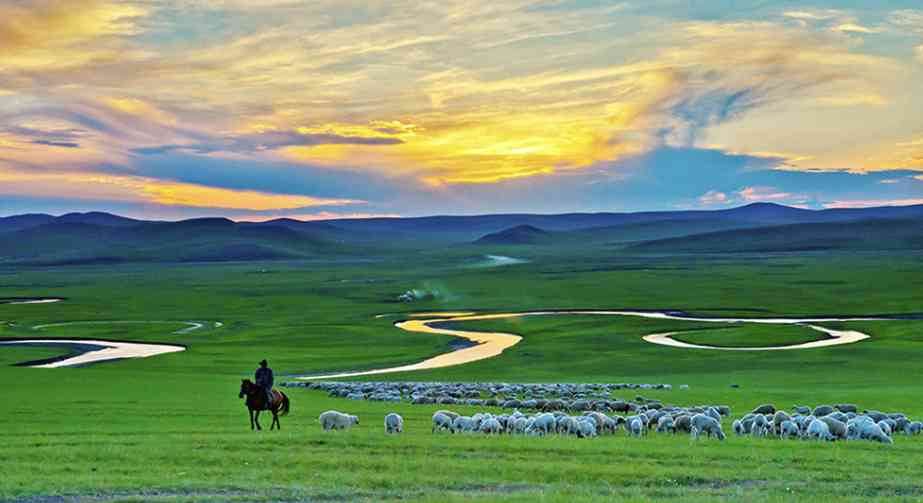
column 91, row 186
column 53, row 33
column 199, row 196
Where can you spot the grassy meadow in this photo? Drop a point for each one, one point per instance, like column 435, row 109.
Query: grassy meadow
column 171, row 428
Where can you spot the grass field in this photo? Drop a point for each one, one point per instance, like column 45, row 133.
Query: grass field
column 171, row 427
column 750, row 336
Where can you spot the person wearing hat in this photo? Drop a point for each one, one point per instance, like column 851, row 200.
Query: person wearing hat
column 264, row 379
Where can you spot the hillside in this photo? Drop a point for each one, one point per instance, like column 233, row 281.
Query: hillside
column 190, row 240
column 874, row 234
column 519, row 235
column 79, row 238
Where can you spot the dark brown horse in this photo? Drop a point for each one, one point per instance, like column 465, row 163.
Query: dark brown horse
column 256, row 402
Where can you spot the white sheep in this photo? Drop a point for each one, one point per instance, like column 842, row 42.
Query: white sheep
column 334, row 420
column 915, row 428
column 586, row 428
column 872, row 431
column 569, row 426
column 737, row 427
column 760, row 426
column 789, row 429
column 819, row 430
column 394, row 423
column 885, row 427
column 665, row 425
column 462, row 424
column 491, row 426
column 449, row 413
column 518, row 425
column 708, row 425
column 545, row 423
column 635, row 426
column 610, row 425
column 441, row 422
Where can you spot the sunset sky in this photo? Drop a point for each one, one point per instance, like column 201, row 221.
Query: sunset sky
column 254, row 109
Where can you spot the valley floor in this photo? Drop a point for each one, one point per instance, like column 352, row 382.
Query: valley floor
column 171, row 428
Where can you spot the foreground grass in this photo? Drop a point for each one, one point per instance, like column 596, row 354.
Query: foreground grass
column 171, row 428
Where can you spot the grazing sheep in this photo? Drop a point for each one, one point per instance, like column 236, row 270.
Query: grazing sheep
column 713, row 413
column 915, row 428
column 519, row 426
column 902, row 425
column 837, row 427
column 839, row 416
column 876, row 415
column 545, row 423
column 598, row 418
column 441, row 421
column 885, row 427
column 449, row 413
column 801, row 409
column 394, row 423
column 635, row 426
column 822, row 410
column 334, row 420
column 819, row 430
column 586, row 428
column 683, row 423
column 708, row 425
column 891, row 424
column 767, row 408
column 570, row 426
column 760, row 426
column 846, row 407
column 463, row 424
column 665, row 425
column 491, row 426
column 746, row 422
column 788, row 429
column 871, row 431
column 737, row 427
column 778, row 418
column 609, row 425
column 724, row 410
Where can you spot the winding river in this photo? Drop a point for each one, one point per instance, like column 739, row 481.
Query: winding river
column 491, row 344
column 89, row 351
column 482, row 345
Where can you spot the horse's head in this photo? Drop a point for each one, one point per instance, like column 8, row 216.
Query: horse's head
column 245, row 386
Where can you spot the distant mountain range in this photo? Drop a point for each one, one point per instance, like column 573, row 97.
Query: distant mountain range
column 79, row 238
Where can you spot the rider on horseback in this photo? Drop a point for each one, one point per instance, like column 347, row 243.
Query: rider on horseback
column 264, row 381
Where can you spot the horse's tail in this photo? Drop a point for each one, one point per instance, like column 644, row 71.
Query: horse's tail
column 286, row 405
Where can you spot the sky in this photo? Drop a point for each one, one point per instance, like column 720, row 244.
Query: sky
column 259, row 109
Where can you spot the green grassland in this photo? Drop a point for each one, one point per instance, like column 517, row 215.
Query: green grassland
column 752, row 335
column 171, row 428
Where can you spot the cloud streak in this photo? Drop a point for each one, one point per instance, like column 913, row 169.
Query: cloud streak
column 444, row 102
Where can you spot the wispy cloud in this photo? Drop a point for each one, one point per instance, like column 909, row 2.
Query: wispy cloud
column 430, row 101
column 872, row 203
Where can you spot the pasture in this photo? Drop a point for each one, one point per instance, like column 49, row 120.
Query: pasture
column 171, row 428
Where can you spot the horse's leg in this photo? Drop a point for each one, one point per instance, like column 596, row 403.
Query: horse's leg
column 257, row 419
column 251, row 418
column 275, row 419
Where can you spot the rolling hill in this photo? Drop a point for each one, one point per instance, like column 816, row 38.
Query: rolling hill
column 871, row 234
column 214, row 239
column 519, row 235
column 78, row 238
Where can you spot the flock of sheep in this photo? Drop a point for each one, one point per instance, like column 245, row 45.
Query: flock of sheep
column 575, row 397
column 590, row 424
column 583, row 410
column 826, row 422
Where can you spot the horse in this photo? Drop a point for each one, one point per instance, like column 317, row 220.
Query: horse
column 256, row 401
